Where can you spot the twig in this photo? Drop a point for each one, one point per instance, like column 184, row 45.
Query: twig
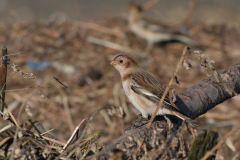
column 220, row 115
column 50, row 139
column 4, row 141
column 83, row 132
column 10, row 113
column 191, row 8
column 60, row 82
column 226, row 124
column 107, row 119
column 13, row 54
column 109, row 44
column 73, row 134
column 83, row 156
column 163, row 97
column 14, row 120
column 149, row 4
column 47, row 132
column 209, row 153
column 18, row 127
column 67, row 111
column 5, row 128
column 102, row 29
column 14, row 90
column 3, row 76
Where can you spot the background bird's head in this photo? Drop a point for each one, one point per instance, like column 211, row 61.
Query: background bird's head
column 124, row 64
column 134, row 12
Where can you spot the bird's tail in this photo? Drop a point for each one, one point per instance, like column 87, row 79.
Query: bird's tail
column 185, row 118
column 186, row 40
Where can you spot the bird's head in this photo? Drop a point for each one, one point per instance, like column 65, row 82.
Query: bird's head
column 134, row 12
column 124, row 64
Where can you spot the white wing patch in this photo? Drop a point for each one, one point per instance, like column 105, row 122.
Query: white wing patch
column 144, row 91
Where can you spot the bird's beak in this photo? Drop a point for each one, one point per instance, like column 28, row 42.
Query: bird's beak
column 113, row 63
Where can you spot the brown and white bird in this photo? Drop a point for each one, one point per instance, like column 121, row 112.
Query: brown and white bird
column 153, row 33
column 143, row 90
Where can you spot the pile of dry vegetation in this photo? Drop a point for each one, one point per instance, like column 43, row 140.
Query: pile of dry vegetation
column 71, row 79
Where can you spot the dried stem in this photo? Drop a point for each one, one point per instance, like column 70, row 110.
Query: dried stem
column 3, row 76
column 109, row 44
column 67, row 112
column 149, row 4
column 191, row 9
column 73, row 134
column 18, row 127
column 50, row 139
column 76, row 143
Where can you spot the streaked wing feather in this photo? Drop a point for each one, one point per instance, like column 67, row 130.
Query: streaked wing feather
column 153, row 98
column 144, row 80
column 146, row 85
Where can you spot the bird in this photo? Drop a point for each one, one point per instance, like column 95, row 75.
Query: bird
column 153, row 33
column 143, row 90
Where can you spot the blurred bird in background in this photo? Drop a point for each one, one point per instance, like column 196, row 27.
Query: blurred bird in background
column 153, row 33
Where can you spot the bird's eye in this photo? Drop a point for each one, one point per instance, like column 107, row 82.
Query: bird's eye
column 121, row 61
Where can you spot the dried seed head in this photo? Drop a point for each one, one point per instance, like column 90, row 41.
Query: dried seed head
column 187, row 64
column 24, row 75
column 174, row 99
column 177, row 78
column 114, row 110
column 27, row 109
column 20, row 134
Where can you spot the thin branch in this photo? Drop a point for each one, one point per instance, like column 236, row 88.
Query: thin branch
column 109, row 44
column 18, row 127
column 50, row 139
column 66, row 109
column 13, row 54
column 60, row 82
column 73, row 134
column 47, row 132
column 96, row 27
column 191, row 9
column 76, row 143
column 3, row 76
column 4, row 141
column 149, row 4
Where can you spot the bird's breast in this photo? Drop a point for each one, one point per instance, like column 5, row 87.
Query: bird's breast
column 126, row 86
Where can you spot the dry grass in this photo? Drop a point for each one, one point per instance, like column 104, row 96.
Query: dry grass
column 92, row 83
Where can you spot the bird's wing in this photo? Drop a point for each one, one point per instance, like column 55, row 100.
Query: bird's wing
column 157, row 27
column 147, row 86
column 152, row 27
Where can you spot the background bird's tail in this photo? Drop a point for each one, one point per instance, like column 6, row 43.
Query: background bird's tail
column 186, row 40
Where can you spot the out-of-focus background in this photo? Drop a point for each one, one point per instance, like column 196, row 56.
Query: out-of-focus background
column 213, row 11
column 58, row 39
